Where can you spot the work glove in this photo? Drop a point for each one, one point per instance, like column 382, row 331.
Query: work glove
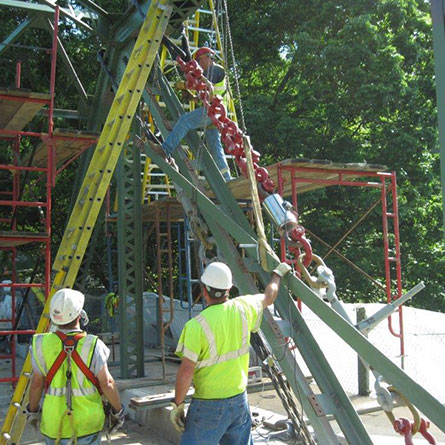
column 114, row 420
column 282, row 269
column 33, row 417
column 177, row 416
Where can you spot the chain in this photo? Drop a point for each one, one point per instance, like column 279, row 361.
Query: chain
column 235, row 71
column 231, row 135
column 283, row 390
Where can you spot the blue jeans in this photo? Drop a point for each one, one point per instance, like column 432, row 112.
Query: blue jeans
column 92, row 439
column 223, row 421
column 191, row 121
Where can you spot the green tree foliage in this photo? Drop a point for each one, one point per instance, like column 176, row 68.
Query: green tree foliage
column 350, row 81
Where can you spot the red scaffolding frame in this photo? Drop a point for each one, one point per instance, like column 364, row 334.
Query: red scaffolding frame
column 12, row 238
column 387, row 183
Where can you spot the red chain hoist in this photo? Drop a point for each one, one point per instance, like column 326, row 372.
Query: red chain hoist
column 231, row 135
column 406, row 428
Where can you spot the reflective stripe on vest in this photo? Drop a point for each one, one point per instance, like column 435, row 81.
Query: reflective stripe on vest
column 84, row 353
column 38, row 354
column 231, row 355
column 87, row 415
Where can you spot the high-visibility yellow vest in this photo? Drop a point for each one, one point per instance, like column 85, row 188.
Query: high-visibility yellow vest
column 87, row 410
column 218, row 341
column 220, row 89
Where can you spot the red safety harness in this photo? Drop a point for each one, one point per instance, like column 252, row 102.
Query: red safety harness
column 69, row 343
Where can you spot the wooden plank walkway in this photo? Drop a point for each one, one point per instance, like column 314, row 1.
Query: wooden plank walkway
column 312, row 170
column 16, row 112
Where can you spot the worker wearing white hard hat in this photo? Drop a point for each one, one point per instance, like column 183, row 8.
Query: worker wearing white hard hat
column 72, row 366
column 214, row 347
column 66, row 305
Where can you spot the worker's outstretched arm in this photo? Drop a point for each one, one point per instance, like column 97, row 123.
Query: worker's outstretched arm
column 184, row 379
column 108, row 387
column 271, row 291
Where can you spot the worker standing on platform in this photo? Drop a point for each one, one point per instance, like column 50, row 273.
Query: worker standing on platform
column 72, row 368
column 214, row 347
column 198, row 118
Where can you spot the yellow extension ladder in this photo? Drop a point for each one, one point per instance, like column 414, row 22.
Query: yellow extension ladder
column 93, row 189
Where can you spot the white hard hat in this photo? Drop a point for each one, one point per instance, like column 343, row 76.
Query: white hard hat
column 217, row 275
column 66, row 305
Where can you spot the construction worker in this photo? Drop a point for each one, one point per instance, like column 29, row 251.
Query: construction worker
column 72, row 368
column 198, row 118
column 214, row 347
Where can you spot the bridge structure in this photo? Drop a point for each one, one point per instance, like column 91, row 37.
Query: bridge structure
column 135, row 104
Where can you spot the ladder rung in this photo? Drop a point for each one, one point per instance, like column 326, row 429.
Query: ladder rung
column 207, row 31
column 391, row 215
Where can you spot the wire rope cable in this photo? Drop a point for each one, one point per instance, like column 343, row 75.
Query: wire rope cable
column 235, row 71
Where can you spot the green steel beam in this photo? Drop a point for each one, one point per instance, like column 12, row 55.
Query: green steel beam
column 16, row 34
column 94, row 8
column 130, row 260
column 181, row 12
column 68, row 14
column 125, row 28
column 335, row 396
column 392, row 374
column 318, row 417
column 69, row 66
column 66, row 114
column 48, row 8
column 213, row 175
column 438, row 16
column 25, row 6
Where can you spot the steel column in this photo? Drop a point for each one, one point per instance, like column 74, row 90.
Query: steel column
column 129, row 228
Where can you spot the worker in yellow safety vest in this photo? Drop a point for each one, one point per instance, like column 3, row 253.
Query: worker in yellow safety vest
column 71, row 368
column 214, row 347
column 198, row 118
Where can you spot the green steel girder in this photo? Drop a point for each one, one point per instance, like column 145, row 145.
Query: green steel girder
column 348, row 419
column 213, row 175
column 334, row 395
column 438, row 17
column 25, row 6
column 392, row 374
column 182, row 10
column 130, row 260
column 93, row 7
column 68, row 14
column 47, row 7
column 16, row 33
column 69, row 66
column 129, row 23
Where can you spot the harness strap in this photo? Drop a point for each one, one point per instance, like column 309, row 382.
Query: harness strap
column 85, row 370
column 69, row 342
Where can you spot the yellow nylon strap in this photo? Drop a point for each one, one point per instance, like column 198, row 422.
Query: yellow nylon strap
column 263, row 246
